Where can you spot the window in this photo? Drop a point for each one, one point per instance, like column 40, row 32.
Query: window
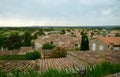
column 116, row 48
column 94, row 47
column 100, row 48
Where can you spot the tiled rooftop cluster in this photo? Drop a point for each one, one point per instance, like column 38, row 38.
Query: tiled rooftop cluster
column 73, row 58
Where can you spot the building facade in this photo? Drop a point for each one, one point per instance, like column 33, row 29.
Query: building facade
column 105, row 44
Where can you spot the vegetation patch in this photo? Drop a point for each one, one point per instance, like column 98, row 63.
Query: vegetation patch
column 33, row 55
column 102, row 69
column 13, row 57
column 48, row 46
column 28, row 56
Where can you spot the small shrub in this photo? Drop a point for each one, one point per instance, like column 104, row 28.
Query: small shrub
column 75, row 44
column 58, row 52
column 48, row 46
column 33, row 55
column 2, row 74
column 72, row 33
column 63, row 32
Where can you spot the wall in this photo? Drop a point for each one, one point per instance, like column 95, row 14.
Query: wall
column 99, row 45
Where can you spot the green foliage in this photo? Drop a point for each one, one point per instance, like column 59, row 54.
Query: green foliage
column 76, row 45
column 13, row 57
column 37, row 34
column 49, row 29
column 28, row 73
column 47, row 46
column 58, row 52
column 28, row 56
column 2, row 39
column 63, row 31
column 84, row 42
column 27, row 39
column 2, row 74
column 41, row 32
column 53, row 73
column 82, row 32
column 68, row 30
column 72, row 33
column 33, row 55
column 14, row 41
column 102, row 69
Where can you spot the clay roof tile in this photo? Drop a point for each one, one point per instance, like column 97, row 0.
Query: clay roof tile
column 108, row 40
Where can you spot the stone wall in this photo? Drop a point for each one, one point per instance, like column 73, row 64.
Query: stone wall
column 22, row 50
column 8, row 52
column 98, row 43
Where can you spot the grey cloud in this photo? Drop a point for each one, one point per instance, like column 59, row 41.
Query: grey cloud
column 75, row 11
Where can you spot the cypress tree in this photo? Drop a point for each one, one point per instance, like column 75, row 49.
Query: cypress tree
column 84, row 42
column 87, row 43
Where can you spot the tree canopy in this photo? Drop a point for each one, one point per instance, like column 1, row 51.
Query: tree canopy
column 14, row 41
column 27, row 39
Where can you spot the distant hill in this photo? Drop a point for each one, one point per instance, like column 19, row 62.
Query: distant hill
column 82, row 27
column 86, row 27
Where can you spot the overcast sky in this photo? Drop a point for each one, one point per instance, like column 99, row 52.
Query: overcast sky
column 59, row 12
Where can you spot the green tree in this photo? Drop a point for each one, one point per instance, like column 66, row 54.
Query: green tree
column 27, row 39
column 63, row 31
column 82, row 32
column 2, row 39
column 41, row 32
column 14, row 41
column 87, row 43
column 84, row 42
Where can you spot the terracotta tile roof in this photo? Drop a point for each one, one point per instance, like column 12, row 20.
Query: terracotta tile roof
column 40, row 64
column 108, row 40
column 58, row 38
column 73, row 58
column 91, row 57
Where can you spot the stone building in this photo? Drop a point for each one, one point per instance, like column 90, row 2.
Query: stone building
column 105, row 44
